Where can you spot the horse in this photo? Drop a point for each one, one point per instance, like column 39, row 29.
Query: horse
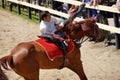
column 28, row 57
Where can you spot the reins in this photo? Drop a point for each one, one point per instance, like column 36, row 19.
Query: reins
column 81, row 41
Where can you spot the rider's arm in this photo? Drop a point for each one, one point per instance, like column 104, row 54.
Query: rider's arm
column 58, row 22
column 43, row 28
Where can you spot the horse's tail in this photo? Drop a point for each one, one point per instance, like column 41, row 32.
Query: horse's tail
column 3, row 64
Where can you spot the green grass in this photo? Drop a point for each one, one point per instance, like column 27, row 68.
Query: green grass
column 24, row 13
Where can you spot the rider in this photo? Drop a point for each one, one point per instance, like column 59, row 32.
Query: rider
column 49, row 26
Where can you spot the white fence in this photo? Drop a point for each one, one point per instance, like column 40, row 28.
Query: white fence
column 115, row 12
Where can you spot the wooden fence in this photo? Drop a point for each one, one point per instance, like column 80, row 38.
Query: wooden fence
column 115, row 12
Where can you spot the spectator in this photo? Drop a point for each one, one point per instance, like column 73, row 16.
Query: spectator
column 96, row 2
column 117, row 5
column 65, row 7
column 72, row 9
column 93, row 11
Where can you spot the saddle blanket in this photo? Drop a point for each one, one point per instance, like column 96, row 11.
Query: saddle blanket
column 52, row 50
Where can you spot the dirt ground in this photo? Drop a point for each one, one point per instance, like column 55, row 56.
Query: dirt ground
column 100, row 62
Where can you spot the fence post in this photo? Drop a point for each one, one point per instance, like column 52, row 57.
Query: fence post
column 117, row 36
column 19, row 11
column 3, row 4
column 29, row 10
column 39, row 3
column 89, row 12
column 11, row 5
column 52, row 3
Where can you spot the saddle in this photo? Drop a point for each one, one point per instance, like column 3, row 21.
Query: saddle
column 60, row 43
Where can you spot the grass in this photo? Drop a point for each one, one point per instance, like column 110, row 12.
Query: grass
column 24, row 12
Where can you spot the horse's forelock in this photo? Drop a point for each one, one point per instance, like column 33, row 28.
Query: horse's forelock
column 90, row 22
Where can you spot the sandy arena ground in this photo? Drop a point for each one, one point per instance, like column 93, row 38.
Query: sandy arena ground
column 100, row 63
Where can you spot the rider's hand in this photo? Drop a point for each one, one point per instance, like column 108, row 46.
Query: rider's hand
column 94, row 2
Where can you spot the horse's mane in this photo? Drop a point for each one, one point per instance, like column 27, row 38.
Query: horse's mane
column 77, row 25
column 90, row 21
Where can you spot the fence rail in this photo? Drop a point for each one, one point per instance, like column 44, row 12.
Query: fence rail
column 99, row 7
column 115, row 12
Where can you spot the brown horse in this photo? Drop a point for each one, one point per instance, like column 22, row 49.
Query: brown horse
column 28, row 57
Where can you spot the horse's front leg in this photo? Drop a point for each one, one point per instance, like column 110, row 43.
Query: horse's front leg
column 75, row 64
column 77, row 67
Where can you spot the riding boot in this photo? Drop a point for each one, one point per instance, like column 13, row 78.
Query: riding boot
column 64, row 50
column 63, row 46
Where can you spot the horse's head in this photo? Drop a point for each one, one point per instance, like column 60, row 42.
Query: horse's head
column 87, row 27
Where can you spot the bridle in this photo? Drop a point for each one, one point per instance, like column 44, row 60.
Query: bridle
column 83, row 39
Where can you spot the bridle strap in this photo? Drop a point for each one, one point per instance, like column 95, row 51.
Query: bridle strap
column 81, row 41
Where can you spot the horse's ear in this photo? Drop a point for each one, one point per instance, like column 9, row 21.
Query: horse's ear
column 95, row 18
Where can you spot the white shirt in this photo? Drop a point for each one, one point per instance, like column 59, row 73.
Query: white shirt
column 47, row 28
